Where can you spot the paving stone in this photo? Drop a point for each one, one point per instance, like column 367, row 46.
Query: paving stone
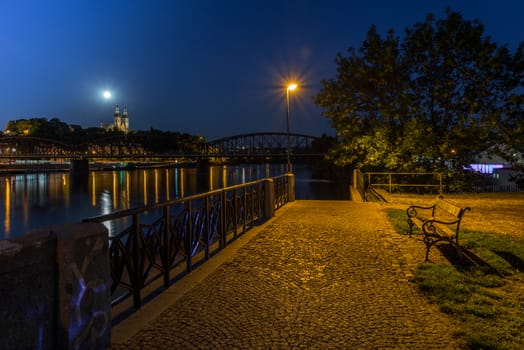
column 323, row 274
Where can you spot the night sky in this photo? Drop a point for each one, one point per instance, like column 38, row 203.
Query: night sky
column 212, row 68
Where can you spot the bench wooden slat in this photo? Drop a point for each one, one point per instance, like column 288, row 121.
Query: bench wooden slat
column 448, row 207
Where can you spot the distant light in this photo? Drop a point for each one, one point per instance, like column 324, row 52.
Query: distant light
column 107, row 94
column 486, row 168
column 292, row 87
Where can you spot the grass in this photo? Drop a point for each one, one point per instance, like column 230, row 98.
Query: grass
column 486, row 297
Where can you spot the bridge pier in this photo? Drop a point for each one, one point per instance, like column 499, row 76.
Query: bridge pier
column 79, row 175
column 203, row 172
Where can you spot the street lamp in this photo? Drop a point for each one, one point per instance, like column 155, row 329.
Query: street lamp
column 289, row 88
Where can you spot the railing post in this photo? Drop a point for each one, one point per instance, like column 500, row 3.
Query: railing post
column 165, row 246
column 269, row 199
column 137, row 273
column 290, row 187
column 389, row 183
column 235, row 210
column 223, row 219
column 189, row 238
column 254, row 197
column 244, row 211
column 206, row 227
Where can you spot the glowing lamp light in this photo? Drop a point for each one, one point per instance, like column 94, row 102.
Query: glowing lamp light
column 290, row 87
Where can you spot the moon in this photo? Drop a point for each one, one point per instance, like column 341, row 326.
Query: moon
column 107, row 94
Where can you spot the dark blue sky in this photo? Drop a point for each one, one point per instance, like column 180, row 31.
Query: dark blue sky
column 214, row 68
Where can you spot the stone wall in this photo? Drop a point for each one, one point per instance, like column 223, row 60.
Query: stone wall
column 55, row 289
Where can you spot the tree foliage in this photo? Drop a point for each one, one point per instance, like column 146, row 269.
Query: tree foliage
column 428, row 101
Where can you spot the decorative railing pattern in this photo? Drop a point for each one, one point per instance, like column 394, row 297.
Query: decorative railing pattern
column 282, row 190
column 185, row 228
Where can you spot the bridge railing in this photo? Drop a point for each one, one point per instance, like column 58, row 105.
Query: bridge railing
column 186, row 232
column 422, row 182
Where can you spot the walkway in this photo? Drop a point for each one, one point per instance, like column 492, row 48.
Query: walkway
column 321, row 275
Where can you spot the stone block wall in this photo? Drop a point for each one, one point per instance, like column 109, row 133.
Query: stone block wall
column 27, row 292
column 55, row 289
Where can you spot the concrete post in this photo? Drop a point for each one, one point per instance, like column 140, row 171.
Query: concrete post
column 269, row 199
column 291, row 187
column 84, row 286
column 27, row 292
column 55, row 289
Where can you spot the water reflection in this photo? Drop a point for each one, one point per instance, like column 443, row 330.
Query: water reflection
column 33, row 201
column 7, row 218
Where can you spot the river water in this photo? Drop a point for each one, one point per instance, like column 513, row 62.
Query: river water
column 31, row 201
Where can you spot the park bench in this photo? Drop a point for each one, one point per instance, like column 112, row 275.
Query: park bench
column 438, row 222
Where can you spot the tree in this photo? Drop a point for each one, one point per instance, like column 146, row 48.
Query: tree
column 20, row 126
column 430, row 101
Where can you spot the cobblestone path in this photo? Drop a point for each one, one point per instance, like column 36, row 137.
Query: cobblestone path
column 322, row 275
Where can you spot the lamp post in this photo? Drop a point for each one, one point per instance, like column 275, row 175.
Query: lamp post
column 290, row 87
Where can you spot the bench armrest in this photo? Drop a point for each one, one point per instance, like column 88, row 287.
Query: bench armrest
column 437, row 221
column 430, row 228
column 412, row 210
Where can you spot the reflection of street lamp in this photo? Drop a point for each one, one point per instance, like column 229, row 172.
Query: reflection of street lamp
column 290, row 87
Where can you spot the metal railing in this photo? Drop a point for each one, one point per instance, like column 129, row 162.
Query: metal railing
column 391, row 181
column 182, row 229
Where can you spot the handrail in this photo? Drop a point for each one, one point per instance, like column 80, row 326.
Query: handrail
column 186, row 231
column 138, row 210
column 390, row 184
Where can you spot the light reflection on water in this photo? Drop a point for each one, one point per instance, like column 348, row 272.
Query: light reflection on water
column 32, row 201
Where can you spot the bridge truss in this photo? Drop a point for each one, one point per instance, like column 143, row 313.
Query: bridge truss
column 263, row 144
column 272, row 144
column 27, row 147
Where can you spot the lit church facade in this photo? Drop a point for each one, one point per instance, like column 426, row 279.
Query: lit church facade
column 120, row 123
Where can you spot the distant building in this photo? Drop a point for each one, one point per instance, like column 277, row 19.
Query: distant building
column 487, row 163
column 120, row 123
column 504, row 174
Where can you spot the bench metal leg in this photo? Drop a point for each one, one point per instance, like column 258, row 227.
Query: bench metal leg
column 428, row 247
column 410, row 223
column 428, row 244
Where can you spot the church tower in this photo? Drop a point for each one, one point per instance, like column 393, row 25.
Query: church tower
column 118, row 121
column 125, row 121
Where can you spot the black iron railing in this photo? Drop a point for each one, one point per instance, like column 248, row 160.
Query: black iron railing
column 183, row 229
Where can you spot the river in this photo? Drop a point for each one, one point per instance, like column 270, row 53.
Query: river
column 31, row 201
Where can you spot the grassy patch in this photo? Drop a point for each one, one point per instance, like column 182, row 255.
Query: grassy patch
column 399, row 219
column 487, row 297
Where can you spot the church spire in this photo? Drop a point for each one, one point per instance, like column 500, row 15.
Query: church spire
column 117, row 117
column 125, row 121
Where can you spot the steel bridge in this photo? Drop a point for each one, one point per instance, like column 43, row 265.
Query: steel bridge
column 269, row 144
column 272, row 144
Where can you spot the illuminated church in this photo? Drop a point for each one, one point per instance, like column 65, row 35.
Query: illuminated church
column 121, row 122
